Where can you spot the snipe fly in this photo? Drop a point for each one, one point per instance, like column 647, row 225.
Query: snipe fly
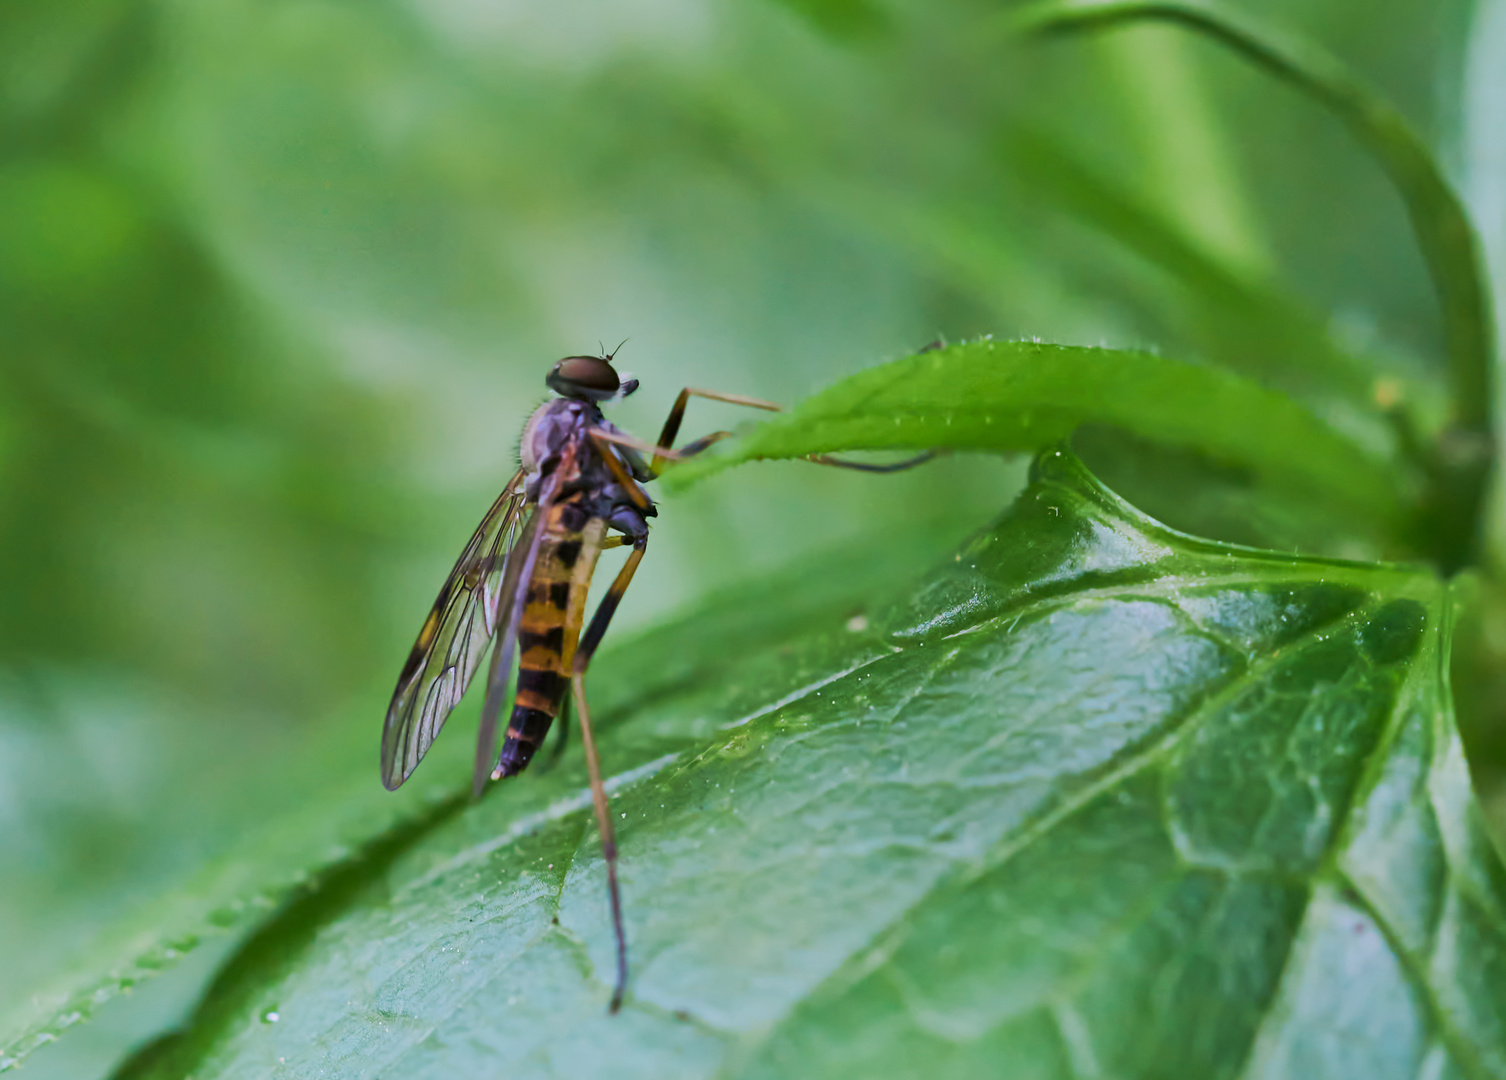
column 522, row 581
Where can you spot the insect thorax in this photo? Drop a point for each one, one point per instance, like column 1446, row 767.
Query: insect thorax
column 552, row 426
column 549, row 428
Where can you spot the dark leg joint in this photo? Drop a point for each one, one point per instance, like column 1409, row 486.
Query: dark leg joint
column 863, row 466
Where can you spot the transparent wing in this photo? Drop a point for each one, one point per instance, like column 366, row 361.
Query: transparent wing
column 453, row 640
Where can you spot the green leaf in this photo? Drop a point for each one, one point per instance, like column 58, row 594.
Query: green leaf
column 1438, row 218
column 1095, row 797
column 343, row 823
column 1223, row 312
column 844, row 20
column 1461, row 460
column 270, row 863
column 1188, row 492
column 1230, row 313
column 1017, row 395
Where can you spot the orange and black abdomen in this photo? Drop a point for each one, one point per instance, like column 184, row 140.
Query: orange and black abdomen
column 553, row 612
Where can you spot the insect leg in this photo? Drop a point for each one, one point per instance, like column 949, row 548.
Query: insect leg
column 691, row 449
column 621, row 439
column 677, row 414
column 863, row 466
column 588, row 643
column 603, row 441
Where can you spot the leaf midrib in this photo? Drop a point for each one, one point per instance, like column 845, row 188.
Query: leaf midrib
column 1460, row 1048
column 1161, row 745
column 1158, row 589
column 882, row 946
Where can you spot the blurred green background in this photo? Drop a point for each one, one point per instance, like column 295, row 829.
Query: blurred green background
column 279, row 282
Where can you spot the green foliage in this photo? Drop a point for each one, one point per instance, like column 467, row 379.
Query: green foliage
column 1090, row 796
column 1087, row 763
column 1012, row 396
column 1442, row 226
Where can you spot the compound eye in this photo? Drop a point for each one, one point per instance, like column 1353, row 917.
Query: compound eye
column 588, row 374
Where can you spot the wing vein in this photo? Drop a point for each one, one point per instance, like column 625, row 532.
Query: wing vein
column 453, row 640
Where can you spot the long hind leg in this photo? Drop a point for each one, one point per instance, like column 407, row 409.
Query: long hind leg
column 677, row 415
column 583, row 652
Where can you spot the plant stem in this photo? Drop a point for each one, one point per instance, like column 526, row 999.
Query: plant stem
column 1459, row 463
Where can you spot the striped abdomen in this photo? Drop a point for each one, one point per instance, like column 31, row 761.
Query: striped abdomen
column 553, row 613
